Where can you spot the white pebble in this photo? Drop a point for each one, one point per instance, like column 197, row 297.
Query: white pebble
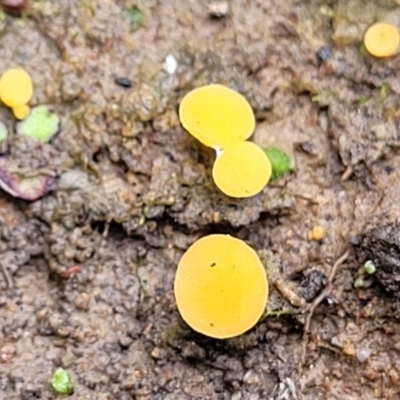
column 170, row 64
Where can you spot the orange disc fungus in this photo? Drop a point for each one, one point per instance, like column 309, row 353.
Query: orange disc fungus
column 221, row 287
column 242, row 170
column 15, row 88
column 382, row 39
column 217, row 116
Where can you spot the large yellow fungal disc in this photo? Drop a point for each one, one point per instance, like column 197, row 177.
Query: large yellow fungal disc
column 217, row 116
column 242, row 170
column 382, row 40
column 16, row 87
column 221, row 287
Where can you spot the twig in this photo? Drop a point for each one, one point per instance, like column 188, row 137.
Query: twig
column 317, row 301
column 7, row 276
column 337, row 264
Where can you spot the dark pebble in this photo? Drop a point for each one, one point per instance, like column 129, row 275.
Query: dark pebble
column 312, row 284
column 324, row 53
column 124, row 82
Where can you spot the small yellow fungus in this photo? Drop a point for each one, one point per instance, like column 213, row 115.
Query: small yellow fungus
column 382, row 39
column 21, row 112
column 221, row 286
column 16, row 88
column 242, row 170
column 217, row 116
column 317, row 233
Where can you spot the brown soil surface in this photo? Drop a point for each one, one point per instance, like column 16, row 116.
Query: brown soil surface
column 88, row 270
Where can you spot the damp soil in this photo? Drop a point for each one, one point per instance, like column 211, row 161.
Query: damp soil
column 87, row 271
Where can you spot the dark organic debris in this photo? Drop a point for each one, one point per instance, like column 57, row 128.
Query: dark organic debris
column 24, row 187
column 124, row 82
column 380, row 245
column 312, row 284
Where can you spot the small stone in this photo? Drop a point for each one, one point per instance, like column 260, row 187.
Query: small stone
column 349, row 349
column 218, row 9
column 324, row 53
column 125, row 341
column 3, row 137
column 251, row 377
column 82, row 301
column 170, row 64
column 7, row 353
column 363, row 355
column 156, row 353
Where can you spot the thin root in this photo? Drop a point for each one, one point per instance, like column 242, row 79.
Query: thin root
column 317, row 301
column 7, row 276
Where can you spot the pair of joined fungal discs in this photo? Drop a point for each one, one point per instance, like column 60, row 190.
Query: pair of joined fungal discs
column 382, row 40
column 223, row 119
column 16, row 90
column 221, row 286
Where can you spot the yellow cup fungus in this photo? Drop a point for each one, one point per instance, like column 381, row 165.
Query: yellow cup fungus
column 242, row 170
column 16, row 90
column 217, row 116
column 222, row 118
column 317, row 233
column 21, row 112
column 221, row 286
column 382, row 39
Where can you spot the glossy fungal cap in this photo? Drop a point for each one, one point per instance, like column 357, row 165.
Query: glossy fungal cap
column 16, row 87
column 217, row 116
column 382, row 39
column 221, row 287
column 21, row 112
column 242, row 170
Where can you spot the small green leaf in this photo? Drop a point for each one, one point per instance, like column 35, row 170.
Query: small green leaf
column 280, row 162
column 61, row 382
column 359, row 282
column 369, row 267
column 384, row 90
column 136, row 17
column 362, row 100
column 41, row 124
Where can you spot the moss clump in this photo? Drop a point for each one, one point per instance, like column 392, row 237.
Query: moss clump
column 41, row 124
column 61, row 382
column 280, row 162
